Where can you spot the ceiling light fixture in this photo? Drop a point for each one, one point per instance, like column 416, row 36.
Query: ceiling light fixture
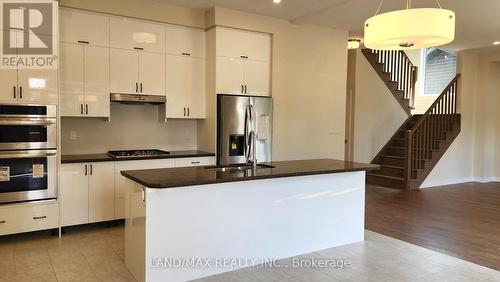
column 276, row 1
column 496, row 43
column 353, row 43
column 410, row 28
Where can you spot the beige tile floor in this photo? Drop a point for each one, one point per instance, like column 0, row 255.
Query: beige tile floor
column 95, row 253
column 88, row 253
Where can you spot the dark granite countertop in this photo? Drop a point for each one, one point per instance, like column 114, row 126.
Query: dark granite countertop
column 190, row 176
column 66, row 159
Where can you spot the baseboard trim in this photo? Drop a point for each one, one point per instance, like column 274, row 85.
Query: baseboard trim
column 444, row 182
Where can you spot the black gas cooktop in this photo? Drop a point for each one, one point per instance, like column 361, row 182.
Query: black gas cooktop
column 137, row 153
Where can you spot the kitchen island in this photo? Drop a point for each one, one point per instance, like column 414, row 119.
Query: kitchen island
column 188, row 223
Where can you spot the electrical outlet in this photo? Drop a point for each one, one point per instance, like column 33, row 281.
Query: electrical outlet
column 72, row 135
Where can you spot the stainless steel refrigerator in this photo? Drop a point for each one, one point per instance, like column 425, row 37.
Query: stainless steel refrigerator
column 239, row 119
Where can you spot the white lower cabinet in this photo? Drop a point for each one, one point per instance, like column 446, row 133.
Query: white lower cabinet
column 122, row 183
column 186, row 162
column 95, row 192
column 87, row 193
column 101, row 192
column 28, row 217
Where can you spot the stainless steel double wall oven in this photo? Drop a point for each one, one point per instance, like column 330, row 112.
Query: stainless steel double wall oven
column 28, row 152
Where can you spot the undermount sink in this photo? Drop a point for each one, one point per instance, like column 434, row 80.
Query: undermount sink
column 240, row 167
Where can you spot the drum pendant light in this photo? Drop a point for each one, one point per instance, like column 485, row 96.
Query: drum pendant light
column 410, row 28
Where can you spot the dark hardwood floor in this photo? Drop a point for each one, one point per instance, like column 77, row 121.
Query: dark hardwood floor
column 460, row 220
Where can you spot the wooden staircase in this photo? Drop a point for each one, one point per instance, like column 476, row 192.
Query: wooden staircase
column 417, row 146
column 397, row 72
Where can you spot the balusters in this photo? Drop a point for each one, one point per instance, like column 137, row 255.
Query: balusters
column 426, row 135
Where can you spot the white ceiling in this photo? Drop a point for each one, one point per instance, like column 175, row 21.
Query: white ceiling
column 478, row 22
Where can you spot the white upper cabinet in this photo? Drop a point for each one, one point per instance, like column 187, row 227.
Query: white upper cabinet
column 8, row 85
column 76, row 26
column 131, row 34
column 84, row 80
column 29, row 85
column 235, row 43
column 243, row 62
column 176, row 87
column 196, row 94
column 257, row 78
column 185, row 41
column 96, row 72
column 151, row 73
column 72, row 89
column 124, row 71
column 230, row 75
column 185, row 87
column 137, row 72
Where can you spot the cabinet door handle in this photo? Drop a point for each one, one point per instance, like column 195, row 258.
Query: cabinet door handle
column 2, row 221
column 83, row 42
column 91, row 169
column 186, row 54
column 86, row 170
column 86, row 109
column 246, row 89
column 136, row 87
column 244, row 57
column 20, row 92
column 81, row 109
column 40, row 217
column 188, row 111
column 195, row 162
column 141, row 87
column 184, row 111
column 15, row 92
column 242, row 89
column 138, row 48
column 143, row 195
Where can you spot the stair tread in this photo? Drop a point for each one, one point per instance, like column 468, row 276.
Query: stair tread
column 392, row 166
column 391, row 156
column 386, row 176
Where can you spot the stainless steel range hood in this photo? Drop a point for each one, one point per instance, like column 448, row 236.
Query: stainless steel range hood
column 137, row 99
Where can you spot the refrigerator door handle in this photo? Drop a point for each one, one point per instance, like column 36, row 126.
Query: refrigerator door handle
column 247, row 133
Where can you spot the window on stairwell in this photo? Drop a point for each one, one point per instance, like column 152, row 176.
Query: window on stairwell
column 439, row 68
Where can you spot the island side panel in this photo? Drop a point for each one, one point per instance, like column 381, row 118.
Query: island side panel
column 272, row 218
column 135, row 229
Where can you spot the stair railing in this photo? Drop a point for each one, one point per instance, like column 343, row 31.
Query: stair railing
column 401, row 70
column 424, row 137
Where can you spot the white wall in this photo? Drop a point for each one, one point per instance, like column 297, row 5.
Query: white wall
column 377, row 113
column 475, row 154
column 309, row 70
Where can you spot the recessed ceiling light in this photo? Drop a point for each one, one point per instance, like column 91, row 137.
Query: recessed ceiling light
column 496, row 43
column 276, row 1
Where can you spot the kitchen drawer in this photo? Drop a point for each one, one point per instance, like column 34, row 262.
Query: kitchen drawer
column 143, row 164
column 185, row 162
column 121, row 182
column 28, row 217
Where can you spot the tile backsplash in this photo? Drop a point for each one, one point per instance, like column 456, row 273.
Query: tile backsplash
column 131, row 127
